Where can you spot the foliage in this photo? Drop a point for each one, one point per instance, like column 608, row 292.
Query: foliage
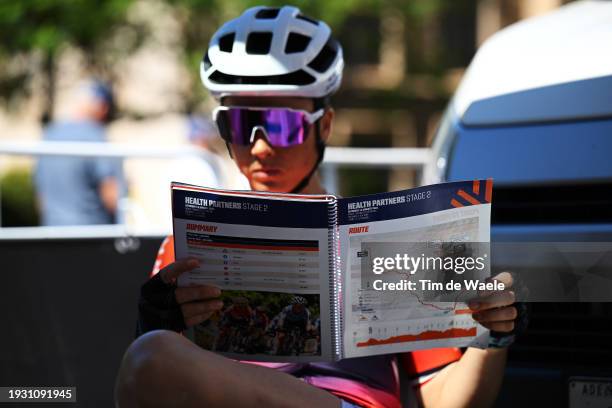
column 18, row 199
column 34, row 32
column 200, row 19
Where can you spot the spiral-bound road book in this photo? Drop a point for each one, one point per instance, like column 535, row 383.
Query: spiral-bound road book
column 323, row 278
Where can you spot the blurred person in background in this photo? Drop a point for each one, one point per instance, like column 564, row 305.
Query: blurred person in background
column 195, row 169
column 75, row 190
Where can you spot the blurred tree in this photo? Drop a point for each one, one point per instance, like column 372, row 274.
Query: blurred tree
column 201, row 18
column 34, row 32
column 18, row 202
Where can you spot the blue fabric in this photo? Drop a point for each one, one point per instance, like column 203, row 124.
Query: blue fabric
column 68, row 186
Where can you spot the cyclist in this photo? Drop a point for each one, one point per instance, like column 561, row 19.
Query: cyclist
column 239, row 313
column 294, row 316
column 258, row 340
column 260, row 318
column 235, row 323
column 273, row 70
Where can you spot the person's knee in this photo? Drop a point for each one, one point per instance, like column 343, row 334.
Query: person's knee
column 163, row 368
column 146, row 365
column 151, row 352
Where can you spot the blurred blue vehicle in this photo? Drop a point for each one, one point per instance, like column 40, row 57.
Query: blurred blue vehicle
column 534, row 111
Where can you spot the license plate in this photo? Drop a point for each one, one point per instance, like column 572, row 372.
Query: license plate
column 590, row 392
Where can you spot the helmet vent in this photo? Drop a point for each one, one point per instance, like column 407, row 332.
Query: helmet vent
column 267, row 13
column 299, row 77
column 296, row 43
column 310, row 20
column 226, row 43
column 326, row 56
column 259, row 43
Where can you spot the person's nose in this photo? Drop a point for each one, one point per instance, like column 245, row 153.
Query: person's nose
column 260, row 147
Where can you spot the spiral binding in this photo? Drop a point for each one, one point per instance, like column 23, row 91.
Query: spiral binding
column 335, row 279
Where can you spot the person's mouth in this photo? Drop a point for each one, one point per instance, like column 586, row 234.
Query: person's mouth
column 265, row 174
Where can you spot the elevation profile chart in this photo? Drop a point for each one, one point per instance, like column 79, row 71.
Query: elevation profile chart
column 444, row 328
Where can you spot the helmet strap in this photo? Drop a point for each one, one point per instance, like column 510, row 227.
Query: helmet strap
column 229, row 151
column 320, row 146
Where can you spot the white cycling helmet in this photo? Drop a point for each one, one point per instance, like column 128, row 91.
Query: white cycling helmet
column 298, row 300
column 273, row 52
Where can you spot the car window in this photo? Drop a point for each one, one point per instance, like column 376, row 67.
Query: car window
column 534, row 154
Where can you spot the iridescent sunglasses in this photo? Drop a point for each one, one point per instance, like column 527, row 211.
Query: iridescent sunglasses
column 282, row 127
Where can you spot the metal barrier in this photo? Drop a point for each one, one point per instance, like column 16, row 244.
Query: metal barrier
column 70, row 310
column 335, row 157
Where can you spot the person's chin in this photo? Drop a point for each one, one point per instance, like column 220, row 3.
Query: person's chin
column 268, row 181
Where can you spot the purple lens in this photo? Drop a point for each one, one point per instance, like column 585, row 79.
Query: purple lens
column 285, row 127
column 282, row 127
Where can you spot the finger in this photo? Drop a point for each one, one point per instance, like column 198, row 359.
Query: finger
column 502, row 327
column 496, row 315
column 498, row 299
column 198, row 308
column 193, row 320
column 194, row 293
column 172, row 271
column 504, row 277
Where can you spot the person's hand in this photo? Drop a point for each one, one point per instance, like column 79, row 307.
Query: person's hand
column 494, row 309
column 197, row 302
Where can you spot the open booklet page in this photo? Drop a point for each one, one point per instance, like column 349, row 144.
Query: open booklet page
column 269, row 253
column 418, row 223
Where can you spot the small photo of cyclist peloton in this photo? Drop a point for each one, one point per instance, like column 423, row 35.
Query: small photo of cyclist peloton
column 272, row 323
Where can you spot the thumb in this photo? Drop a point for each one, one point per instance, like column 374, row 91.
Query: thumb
column 175, row 269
